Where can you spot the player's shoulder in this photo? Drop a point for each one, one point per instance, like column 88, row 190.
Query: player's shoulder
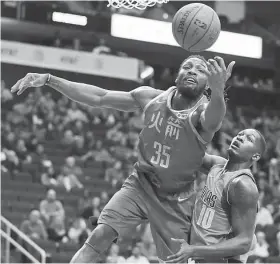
column 243, row 190
column 197, row 112
column 144, row 94
column 146, row 91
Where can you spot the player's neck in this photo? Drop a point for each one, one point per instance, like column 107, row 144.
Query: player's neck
column 180, row 102
column 234, row 165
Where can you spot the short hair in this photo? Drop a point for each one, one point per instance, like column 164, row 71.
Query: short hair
column 262, row 142
column 193, row 56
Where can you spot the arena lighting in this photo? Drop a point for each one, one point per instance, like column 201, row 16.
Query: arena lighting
column 160, row 32
column 69, row 18
column 147, row 73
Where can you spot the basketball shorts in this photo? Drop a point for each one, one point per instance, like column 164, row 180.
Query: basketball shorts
column 138, row 201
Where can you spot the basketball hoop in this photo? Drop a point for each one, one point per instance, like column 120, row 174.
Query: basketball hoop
column 139, row 4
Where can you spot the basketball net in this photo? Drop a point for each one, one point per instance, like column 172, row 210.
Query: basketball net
column 139, row 4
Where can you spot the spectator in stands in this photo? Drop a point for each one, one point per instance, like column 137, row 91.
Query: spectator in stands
column 274, row 177
column 52, row 212
column 136, row 123
column 92, row 210
column 79, row 150
column 90, row 140
column 114, row 174
column 264, row 189
column 121, row 151
column 49, row 178
column 136, row 256
column 46, row 103
column 34, row 227
column 104, row 199
column 114, row 134
column 262, row 246
column 113, row 256
column 9, row 140
column 68, row 139
column 79, row 128
column 6, row 94
column 16, row 118
column 84, row 202
column 10, row 161
column 56, row 230
column 32, row 143
column 101, row 154
column 78, row 231
column 71, row 167
column 74, row 113
column 68, row 180
column 21, row 151
column 61, row 106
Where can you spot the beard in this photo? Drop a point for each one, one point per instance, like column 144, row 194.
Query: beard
column 191, row 91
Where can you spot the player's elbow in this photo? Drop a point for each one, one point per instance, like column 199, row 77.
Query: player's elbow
column 213, row 126
column 245, row 244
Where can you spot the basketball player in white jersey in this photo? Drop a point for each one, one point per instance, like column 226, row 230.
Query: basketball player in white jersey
column 178, row 124
column 224, row 215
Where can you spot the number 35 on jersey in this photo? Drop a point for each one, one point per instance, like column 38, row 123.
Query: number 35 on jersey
column 162, row 155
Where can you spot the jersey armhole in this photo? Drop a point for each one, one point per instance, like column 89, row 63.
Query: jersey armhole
column 149, row 103
column 194, row 129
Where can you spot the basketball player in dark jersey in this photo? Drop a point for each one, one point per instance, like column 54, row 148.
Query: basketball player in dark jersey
column 224, row 216
column 179, row 123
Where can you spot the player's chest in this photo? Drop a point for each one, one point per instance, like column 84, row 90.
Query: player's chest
column 163, row 123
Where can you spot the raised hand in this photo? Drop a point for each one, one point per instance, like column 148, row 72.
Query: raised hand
column 218, row 74
column 30, row 80
column 183, row 254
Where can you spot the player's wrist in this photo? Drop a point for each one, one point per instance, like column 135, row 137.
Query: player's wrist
column 193, row 251
column 48, row 79
column 218, row 92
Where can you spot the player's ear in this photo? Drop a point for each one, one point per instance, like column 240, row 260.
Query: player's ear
column 256, row 157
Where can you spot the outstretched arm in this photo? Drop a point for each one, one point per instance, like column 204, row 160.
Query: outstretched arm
column 243, row 198
column 211, row 118
column 89, row 94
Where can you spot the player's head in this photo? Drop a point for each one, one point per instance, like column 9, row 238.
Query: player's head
column 191, row 80
column 249, row 145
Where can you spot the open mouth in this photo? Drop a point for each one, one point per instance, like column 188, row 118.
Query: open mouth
column 190, row 80
column 235, row 144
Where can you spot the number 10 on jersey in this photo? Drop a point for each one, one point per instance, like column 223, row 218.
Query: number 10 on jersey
column 206, row 217
column 161, row 157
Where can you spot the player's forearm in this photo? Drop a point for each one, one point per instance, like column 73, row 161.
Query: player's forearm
column 79, row 92
column 215, row 111
column 232, row 247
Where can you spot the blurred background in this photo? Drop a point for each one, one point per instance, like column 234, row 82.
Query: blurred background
column 61, row 161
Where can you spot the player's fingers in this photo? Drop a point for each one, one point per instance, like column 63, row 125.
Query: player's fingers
column 16, row 86
column 230, row 68
column 22, row 90
column 216, row 65
column 211, row 67
column 221, row 62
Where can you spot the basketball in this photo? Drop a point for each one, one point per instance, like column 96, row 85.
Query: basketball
column 196, row 27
